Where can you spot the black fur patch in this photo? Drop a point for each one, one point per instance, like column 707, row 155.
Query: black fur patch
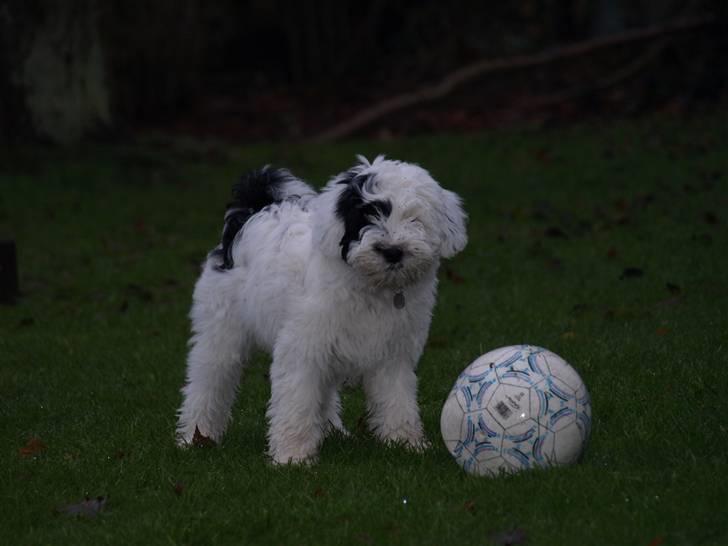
column 355, row 212
column 255, row 191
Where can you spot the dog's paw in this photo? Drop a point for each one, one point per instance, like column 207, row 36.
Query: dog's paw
column 419, row 445
column 411, row 440
column 286, row 459
column 294, row 453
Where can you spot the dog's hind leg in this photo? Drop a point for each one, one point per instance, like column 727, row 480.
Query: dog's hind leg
column 218, row 348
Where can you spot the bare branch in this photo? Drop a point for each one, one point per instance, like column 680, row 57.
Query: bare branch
column 487, row 66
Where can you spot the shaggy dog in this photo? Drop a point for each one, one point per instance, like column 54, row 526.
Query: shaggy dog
column 335, row 285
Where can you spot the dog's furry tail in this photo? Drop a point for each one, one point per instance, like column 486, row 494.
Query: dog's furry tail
column 255, row 191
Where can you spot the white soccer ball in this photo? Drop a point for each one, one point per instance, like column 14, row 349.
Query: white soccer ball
column 516, row 408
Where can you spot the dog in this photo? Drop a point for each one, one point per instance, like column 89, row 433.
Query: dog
column 335, row 285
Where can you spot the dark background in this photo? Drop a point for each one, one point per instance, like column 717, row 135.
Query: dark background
column 249, row 70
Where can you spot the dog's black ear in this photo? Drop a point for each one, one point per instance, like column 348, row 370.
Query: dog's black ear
column 452, row 220
column 354, row 211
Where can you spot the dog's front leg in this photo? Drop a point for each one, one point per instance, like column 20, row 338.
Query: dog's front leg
column 394, row 415
column 295, row 410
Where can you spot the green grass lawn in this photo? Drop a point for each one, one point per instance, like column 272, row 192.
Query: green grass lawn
column 605, row 243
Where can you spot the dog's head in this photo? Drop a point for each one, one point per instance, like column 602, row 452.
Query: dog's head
column 390, row 221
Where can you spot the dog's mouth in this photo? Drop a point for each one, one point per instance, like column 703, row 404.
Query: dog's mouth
column 400, row 275
column 392, row 267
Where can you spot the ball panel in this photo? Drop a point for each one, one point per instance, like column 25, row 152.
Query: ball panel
column 540, row 397
column 568, row 445
column 463, row 396
column 517, row 458
column 516, row 378
column 562, row 405
column 473, row 395
column 543, row 448
column 494, row 467
column 451, row 419
column 509, row 405
column 482, row 439
column 583, row 421
column 537, row 363
column 561, row 369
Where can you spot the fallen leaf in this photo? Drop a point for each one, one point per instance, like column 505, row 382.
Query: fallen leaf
column 673, row 288
column 661, row 331
column 33, row 447
column 178, row 488
column 568, row 335
column 470, row 506
column 87, row 508
column 657, row 541
column 319, row 492
column 612, row 253
column 454, row 277
column 200, row 440
column 631, row 273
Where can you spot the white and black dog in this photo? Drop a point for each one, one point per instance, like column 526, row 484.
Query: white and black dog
column 336, row 285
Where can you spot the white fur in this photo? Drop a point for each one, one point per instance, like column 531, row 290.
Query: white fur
column 322, row 318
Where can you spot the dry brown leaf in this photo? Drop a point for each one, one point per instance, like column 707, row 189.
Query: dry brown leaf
column 33, row 447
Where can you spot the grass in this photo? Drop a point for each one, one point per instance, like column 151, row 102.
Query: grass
column 605, row 243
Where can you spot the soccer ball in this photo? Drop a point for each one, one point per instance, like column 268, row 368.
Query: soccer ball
column 515, row 408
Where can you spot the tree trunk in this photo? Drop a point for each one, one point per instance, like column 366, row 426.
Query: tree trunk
column 55, row 74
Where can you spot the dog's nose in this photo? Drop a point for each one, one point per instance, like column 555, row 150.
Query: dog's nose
column 393, row 254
